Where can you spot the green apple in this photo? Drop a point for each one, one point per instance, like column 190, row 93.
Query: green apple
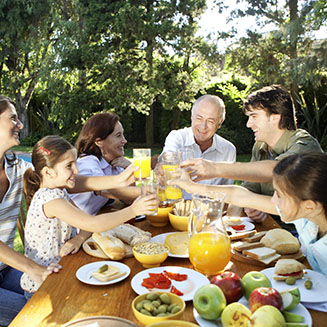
column 291, row 298
column 292, row 317
column 209, row 301
column 267, row 316
column 235, row 315
column 295, row 324
column 253, row 280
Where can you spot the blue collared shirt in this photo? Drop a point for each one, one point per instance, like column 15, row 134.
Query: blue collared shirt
column 313, row 247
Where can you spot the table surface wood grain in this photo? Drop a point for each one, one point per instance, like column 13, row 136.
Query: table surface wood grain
column 63, row 298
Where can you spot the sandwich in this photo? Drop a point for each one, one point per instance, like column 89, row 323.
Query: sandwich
column 285, row 268
column 281, row 240
column 106, row 273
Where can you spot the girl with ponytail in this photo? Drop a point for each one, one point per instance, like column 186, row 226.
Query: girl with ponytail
column 52, row 218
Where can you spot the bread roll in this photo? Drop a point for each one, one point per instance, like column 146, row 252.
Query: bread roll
column 281, row 240
column 92, row 248
column 113, row 247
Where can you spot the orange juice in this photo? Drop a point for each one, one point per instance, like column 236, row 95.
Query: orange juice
column 209, row 252
column 170, row 167
column 162, row 194
column 173, row 193
column 145, row 167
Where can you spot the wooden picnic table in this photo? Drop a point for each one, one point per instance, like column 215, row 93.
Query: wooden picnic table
column 63, row 298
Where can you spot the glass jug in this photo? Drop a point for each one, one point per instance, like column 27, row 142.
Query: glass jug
column 209, row 247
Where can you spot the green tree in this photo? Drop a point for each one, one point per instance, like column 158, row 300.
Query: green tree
column 25, row 35
column 125, row 55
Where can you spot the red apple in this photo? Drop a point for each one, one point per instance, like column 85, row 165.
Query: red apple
column 265, row 296
column 231, row 284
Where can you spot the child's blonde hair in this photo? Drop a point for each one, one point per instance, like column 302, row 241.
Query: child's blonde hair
column 46, row 153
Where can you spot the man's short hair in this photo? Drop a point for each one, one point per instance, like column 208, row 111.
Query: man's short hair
column 213, row 99
column 273, row 99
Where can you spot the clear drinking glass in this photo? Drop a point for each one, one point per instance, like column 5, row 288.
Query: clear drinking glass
column 173, row 193
column 150, row 186
column 142, row 159
column 185, row 154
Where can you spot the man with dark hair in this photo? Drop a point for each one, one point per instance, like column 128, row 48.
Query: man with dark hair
column 272, row 119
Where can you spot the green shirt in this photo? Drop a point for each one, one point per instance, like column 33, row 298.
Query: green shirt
column 290, row 142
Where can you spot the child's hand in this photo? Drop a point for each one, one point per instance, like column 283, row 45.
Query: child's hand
column 145, row 205
column 71, row 246
column 127, row 176
column 40, row 273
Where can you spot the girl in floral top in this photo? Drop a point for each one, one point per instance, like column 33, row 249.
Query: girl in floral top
column 52, row 218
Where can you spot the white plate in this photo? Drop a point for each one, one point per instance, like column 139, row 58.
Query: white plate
column 84, row 273
column 300, row 310
column 187, row 287
column 318, row 293
column 247, row 226
column 161, row 239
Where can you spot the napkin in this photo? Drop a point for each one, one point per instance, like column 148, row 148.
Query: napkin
column 320, row 306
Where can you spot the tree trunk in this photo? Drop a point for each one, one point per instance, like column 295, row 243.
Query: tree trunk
column 293, row 8
column 21, row 108
column 149, row 128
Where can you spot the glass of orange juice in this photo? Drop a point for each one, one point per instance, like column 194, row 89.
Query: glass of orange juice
column 142, row 159
column 209, row 247
column 172, row 192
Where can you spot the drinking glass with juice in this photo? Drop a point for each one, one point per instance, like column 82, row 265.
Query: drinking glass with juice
column 172, row 192
column 142, row 159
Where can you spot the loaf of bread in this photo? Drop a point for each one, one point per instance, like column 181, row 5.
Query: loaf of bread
column 281, row 240
column 113, row 247
column 129, row 234
column 92, row 248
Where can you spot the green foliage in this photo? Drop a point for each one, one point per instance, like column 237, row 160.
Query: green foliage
column 313, row 113
column 234, row 128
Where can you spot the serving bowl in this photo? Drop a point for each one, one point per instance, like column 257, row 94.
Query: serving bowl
column 175, row 323
column 149, row 319
column 161, row 218
column 179, row 222
column 150, row 254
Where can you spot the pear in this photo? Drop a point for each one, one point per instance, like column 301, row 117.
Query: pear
column 235, row 315
column 291, row 298
column 292, row 317
column 267, row 316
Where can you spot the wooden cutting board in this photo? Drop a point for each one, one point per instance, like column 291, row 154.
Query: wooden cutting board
column 243, row 258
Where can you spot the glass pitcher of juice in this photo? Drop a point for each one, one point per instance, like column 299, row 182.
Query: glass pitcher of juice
column 209, row 247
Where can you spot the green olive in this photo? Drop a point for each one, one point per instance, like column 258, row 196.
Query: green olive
column 139, row 306
column 308, row 284
column 148, row 306
column 156, row 303
column 152, row 296
column 146, row 312
column 171, row 306
column 175, row 309
column 162, row 309
column 164, row 297
column 290, row 280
